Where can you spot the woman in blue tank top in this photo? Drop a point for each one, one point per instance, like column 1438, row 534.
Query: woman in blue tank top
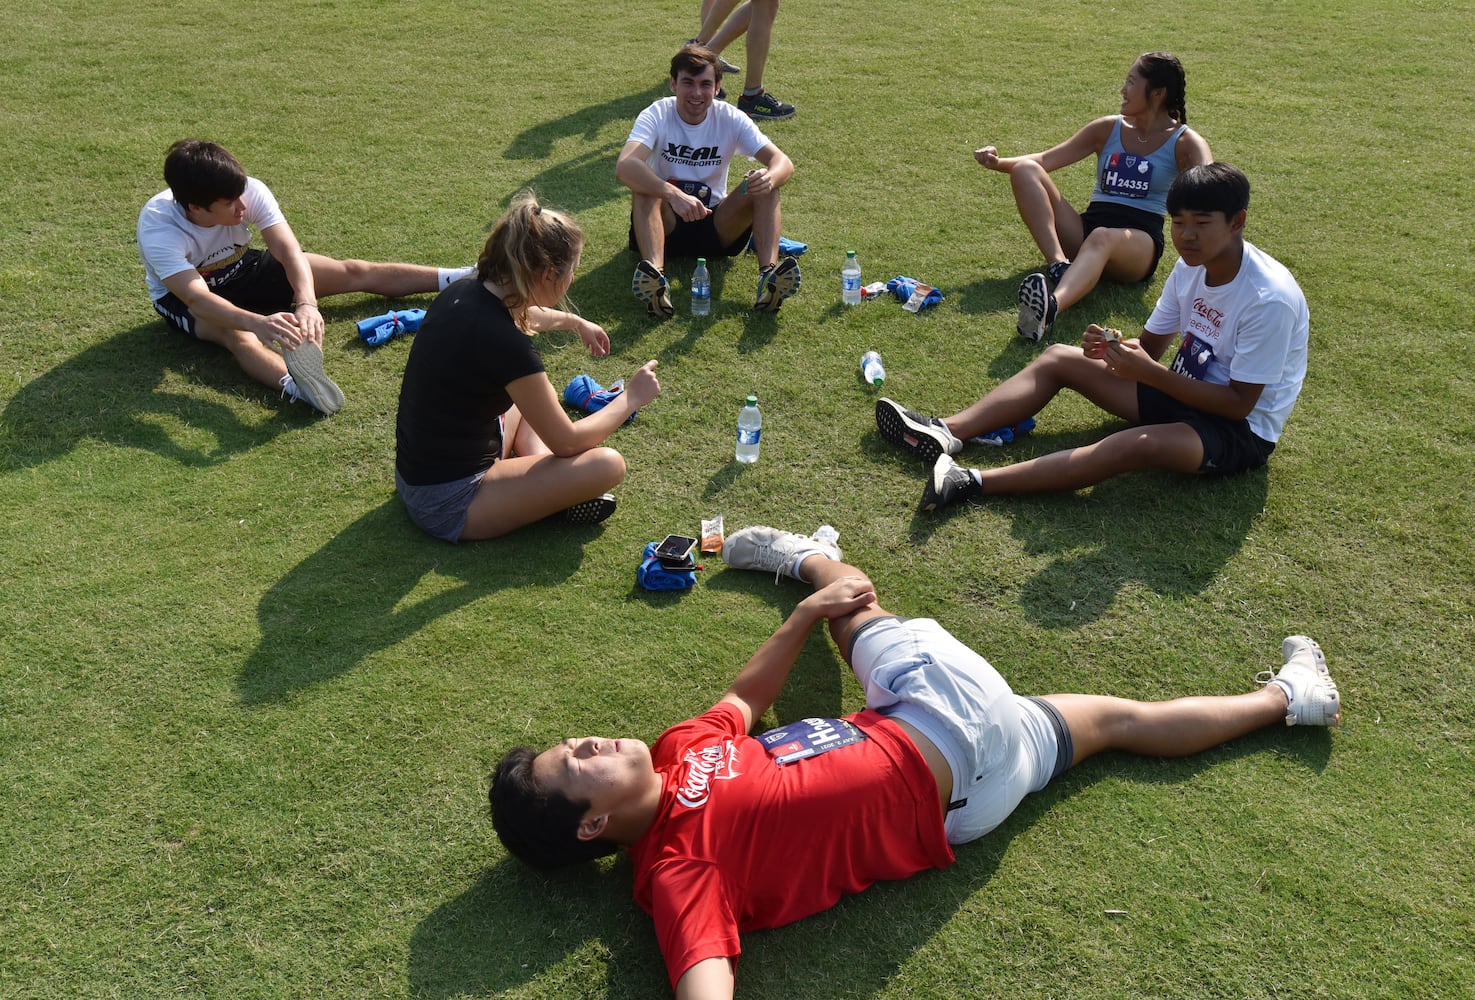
column 1120, row 235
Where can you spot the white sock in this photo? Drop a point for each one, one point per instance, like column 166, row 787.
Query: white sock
column 977, row 475
column 1286, row 687
column 450, row 274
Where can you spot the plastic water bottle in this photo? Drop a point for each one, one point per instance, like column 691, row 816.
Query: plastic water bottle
column 850, row 280
column 871, row 368
column 701, row 289
column 749, row 430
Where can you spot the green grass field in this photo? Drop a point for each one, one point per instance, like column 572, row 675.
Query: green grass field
column 247, row 711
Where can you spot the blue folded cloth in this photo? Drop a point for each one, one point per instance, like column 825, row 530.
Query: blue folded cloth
column 1004, row 435
column 377, row 330
column 653, row 576
column 583, row 393
column 903, row 287
column 786, row 247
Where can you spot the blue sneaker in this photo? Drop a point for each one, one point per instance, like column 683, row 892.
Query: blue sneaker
column 1056, row 271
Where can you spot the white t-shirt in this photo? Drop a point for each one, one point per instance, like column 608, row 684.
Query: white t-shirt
column 1253, row 329
column 696, row 153
column 169, row 243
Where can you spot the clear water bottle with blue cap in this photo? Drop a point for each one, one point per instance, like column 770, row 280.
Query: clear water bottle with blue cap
column 701, row 289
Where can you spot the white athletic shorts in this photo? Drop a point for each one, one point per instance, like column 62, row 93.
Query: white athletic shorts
column 1000, row 746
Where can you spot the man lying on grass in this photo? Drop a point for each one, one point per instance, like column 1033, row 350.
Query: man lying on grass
column 728, row 832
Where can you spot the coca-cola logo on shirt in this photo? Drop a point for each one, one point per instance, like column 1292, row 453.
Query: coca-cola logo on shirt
column 711, row 763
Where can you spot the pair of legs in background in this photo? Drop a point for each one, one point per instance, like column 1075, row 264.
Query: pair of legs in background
column 755, row 18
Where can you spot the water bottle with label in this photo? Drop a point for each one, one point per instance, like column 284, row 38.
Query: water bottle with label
column 871, row 368
column 850, row 280
column 701, row 289
column 749, row 430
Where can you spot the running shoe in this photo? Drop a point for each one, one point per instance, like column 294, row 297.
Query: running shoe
column 1036, row 307
column 650, row 286
column 310, row 383
column 727, row 68
column 1310, row 691
column 763, row 106
column 776, row 284
column 925, row 437
column 949, row 483
column 770, row 550
column 1056, row 271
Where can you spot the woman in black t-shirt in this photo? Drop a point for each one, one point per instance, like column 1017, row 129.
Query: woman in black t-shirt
column 483, row 445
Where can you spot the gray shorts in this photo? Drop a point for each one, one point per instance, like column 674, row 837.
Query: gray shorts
column 999, row 745
column 440, row 509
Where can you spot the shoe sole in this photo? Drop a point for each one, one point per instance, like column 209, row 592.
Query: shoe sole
column 648, row 286
column 1034, row 300
column 782, row 282
column 305, row 365
column 895, row 426
column 590, row 511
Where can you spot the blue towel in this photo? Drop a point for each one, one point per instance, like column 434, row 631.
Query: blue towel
column 653, row 576
column 786, row 247
column 903, row 287
column 583, row 393
column 377, row 330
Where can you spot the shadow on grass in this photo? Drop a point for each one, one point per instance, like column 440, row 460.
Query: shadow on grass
column 349, row 599
column 111, row 393
column 587, row 180
column 580, row 928
column 1172, row 534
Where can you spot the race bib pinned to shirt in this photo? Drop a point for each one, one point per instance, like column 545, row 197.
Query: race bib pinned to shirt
column 1126, row 175
column 1194, row 358
column 809, row 738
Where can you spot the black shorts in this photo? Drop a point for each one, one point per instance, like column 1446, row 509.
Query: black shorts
column 260, row 285
column 1108, row 215
column 697, row 239
column 1229, row 445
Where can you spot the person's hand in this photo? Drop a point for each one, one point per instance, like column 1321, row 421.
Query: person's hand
column 594, row 338
column 1093, row 342
column 758, row 181
column 988, row 156
column 688, row 208
column 642, row 387
column 309, row 321
column 845, row 595
column 1127, row 360
column 281, row 329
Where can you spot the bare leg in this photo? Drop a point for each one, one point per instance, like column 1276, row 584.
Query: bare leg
column 734, row 27
column 648, row 215
column 760, row 35
column 262, row 363
column 334, row 277
column 1174, row 447
column 1025, row 393
column 1175, row 728
column 1119, row 255
column 739, row 211
column 713, row 13
column 1054, row 224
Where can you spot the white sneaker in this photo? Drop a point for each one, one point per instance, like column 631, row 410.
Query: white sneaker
column 770, row 550
column 311, row 384
column 1310, row 691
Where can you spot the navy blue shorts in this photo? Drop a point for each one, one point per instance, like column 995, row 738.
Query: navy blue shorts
column 1229, row 445
column 260, row 285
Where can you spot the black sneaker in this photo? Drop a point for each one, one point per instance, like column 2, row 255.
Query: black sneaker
column 1056, row 271
column 588, row 511
column 1036, row 307
column 776, row 284
column 650, row 286
column 765, row 107
column 926, row 437
column 949, row 483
